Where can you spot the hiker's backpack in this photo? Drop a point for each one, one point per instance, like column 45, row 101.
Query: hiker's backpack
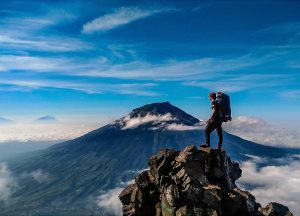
column 224, row 103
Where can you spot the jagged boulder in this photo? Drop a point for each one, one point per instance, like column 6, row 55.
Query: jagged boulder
column 274, row 209
column 192, row 182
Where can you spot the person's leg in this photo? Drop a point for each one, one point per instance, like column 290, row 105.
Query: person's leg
column 220, row 135
column 208, row 129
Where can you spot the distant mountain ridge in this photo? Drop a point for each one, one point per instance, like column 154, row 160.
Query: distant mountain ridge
column 5, row 121
column 79, row 169
column 46, row 119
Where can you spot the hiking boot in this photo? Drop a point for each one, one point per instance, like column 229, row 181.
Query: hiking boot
column 204, row 145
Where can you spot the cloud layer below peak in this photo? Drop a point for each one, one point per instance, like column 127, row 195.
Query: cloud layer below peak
column 260, row 131
column 273, row 183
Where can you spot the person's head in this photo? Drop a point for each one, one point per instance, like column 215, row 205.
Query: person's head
column 212, row 96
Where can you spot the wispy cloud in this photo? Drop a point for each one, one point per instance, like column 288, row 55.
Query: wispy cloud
column 286, row 35
column 34, row 63
column 24, row 22
column 109, row 200
column 282, row 29
column 119, row 17
column 240, row 82
column 32, row 32
column 170, row 70
column 52, row 44
column 50, row 47
column 137, row 121
column 201, row 72
column 202, row 68
column 291, row 93
column 38, row 175
column 142, row 89
column 181, row 127
column 8, row 184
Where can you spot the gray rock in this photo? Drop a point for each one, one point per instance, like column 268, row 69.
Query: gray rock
column 276, row 209
column 125, row 195
column 212, row 196
column 172, row 195
column 192, row 182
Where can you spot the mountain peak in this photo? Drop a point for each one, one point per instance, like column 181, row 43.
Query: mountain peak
column 5, row 121
column 158, row 114
column 163, row 108
column 192, row 182
column 46, row 119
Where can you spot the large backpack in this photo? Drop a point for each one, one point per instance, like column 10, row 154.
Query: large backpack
column 224, row 103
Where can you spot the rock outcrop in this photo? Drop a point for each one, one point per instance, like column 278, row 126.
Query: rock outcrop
column 198, row 182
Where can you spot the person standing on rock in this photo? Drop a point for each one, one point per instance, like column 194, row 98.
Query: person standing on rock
column 215, row 121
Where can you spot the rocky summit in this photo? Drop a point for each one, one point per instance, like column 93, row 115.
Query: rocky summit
column 193, row 181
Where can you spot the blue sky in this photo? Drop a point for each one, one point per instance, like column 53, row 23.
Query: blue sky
column 98, row 58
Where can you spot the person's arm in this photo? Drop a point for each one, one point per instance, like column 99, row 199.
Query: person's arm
column 214, row 113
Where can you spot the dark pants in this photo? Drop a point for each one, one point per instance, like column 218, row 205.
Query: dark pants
column 209, row 128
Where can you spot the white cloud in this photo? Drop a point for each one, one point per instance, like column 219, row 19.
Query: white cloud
column 256, row 159
column 21, row 31
column 240, row 82
column 182, row 127
column 119, row 17
column 137, row 121
column 89, row 88
column 49, row 44
column 159, row 122
column 38, row 175
column 273, row 183
column 258, row 130
column 206, row 69
column 269, row 183
column 27, row 23
column 8, row 183
column 110, row 202
column 32, row 63
column 43, row 132
column 203, row 68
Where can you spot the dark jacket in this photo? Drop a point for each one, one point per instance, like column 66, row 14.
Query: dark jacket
column 216, row 112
